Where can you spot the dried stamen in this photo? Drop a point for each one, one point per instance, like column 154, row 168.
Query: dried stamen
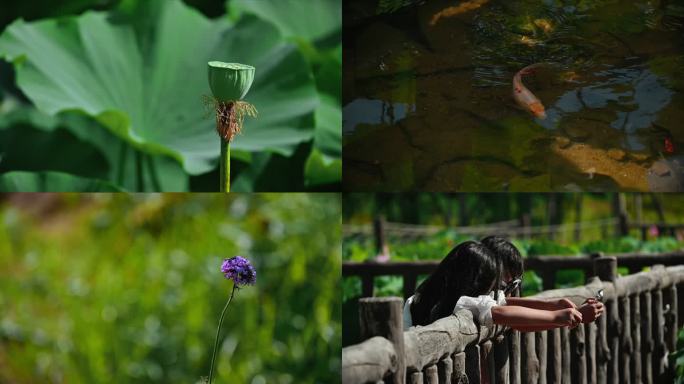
column 230, row 116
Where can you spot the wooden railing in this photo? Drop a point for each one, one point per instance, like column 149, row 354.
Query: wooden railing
column 545, row 266
column 630, row 343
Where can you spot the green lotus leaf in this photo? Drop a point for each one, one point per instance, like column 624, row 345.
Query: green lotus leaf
column 324, row 164
column 322, row 17
column 51, row 182
column 76, row 144
column 142, row 74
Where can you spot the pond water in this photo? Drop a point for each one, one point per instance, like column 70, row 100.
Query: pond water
column 428, row 95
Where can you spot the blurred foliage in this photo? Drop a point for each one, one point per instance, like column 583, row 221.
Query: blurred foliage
column 128, row 70
column 451, row 210
column 437, row 246
column 119, row 288
column 677, row 358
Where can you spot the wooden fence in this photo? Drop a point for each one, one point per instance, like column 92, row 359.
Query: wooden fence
column 630, row 343
column 545, row 266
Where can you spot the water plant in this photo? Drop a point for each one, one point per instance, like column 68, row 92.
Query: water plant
column 229, row 83
column 241, row 271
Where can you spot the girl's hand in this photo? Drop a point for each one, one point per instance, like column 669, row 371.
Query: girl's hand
column 568, row 317
column 591, row 310
column 565, row 303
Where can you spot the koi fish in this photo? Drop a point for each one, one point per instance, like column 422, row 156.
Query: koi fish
column 524, row 97
column 669, row 147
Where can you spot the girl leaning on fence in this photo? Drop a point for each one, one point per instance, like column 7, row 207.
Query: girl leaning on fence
column 479, row 277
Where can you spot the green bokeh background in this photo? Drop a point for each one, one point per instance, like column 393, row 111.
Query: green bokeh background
column 113, row 288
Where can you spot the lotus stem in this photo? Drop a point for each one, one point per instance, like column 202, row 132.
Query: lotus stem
column 225, row 165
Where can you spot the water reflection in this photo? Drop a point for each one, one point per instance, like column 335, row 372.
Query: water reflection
column 372, row 112
column 635, row 95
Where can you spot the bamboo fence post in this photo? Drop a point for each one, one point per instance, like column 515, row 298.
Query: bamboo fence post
column 578, row 361
column 646, row 338
column 501, row 356
column 431, row 375
column 381, row 247
column 486, row 362
column 459, row 375
column 514, row 351
column 566, row 373
column 472, row 363
column 670, row 297
column 383, row 316
column 366, row 285
column 660, row 351
column 636, row 339
column 409, row 280
column 606, row 270
column 530, row 363
column 446, row 370
column 626, row 345
column 416, row 378
column 680, row 305
column 554, row 369
column 602, row 350
column 542, row 355
column 591, row 341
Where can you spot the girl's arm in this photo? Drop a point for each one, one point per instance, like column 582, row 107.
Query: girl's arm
column 548, row 305
column 516, row 316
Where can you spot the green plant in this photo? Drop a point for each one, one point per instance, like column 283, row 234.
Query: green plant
column 138, row 79
column 229, row 83
column 125, row 288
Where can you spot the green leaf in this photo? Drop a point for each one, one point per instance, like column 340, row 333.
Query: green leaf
column 247, row 179
column 72, row 143
column 324, row 164
column 51, row 182
column 309, row 20
column 322, row 169
column 328, row 135
column 142, row 74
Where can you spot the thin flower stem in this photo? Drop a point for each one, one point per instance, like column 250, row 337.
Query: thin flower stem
column 218, row 331
column 225, row 165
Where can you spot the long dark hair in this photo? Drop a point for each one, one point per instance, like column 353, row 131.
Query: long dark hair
column 470, row 269
column 507, row 254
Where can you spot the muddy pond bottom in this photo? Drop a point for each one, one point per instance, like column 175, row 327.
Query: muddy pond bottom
column 429, row 104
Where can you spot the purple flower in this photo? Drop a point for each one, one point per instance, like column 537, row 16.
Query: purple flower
column 239, row 270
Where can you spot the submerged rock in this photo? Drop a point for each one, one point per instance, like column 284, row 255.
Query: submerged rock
column 597, row 163
column 666, row 175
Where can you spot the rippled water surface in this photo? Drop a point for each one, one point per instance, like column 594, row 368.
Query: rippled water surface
column 429, row 106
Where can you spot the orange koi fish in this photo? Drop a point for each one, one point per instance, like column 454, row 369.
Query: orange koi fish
column 524, row 97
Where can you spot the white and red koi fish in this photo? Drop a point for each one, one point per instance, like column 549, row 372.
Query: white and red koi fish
column 526, row 99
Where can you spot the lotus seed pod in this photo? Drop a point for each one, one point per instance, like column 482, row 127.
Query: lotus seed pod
column 230, row 81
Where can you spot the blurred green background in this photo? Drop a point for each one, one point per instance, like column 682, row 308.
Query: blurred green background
column 122, row 109
column 113, row 288
column 446, row 213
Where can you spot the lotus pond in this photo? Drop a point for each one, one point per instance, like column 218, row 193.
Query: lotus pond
column 427, row 94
